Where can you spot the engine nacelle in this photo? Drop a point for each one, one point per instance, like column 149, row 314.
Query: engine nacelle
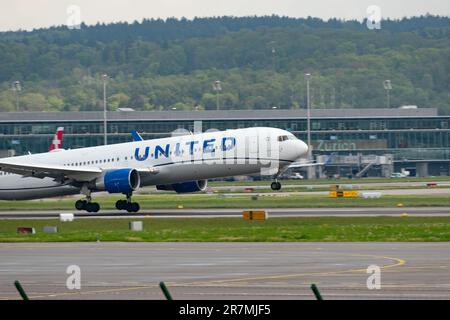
column 119, row 181
column 185, row 187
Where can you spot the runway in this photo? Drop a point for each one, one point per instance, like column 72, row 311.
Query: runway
column 226, row 270
column 345, row 184
column 210, row 213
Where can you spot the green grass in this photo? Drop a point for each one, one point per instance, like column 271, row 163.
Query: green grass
column 171, row 201
column 236, row 229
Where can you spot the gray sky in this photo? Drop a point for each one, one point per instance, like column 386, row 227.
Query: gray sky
column 29, row 14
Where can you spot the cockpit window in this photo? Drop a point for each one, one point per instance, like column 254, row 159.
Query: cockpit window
column 284, row 138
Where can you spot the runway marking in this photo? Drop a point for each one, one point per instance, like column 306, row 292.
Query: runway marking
column 399, row 262
column 329, row 294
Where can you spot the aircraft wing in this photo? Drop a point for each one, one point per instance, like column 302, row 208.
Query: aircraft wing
column 81, row 174
column 52, row 171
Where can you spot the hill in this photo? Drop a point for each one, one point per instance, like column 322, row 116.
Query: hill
column 260, row 61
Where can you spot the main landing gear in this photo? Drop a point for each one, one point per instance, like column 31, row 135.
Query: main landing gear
column 128, row 205
column 87, row 205
column 275, row 185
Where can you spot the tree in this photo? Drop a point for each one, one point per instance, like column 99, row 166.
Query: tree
column 118, row 100
column 33, row 102
column 158, row 64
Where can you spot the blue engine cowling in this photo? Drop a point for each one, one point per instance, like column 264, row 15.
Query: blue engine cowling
column 185, row 187
column 119, row 181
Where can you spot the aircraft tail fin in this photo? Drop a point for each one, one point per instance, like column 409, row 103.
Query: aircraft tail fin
column 57, row 140
column 136, row 136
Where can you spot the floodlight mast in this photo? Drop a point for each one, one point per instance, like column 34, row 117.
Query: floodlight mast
column 17, row 88
column 217, row 87
column 105, row 130
column 388, row 87
column 310, row 169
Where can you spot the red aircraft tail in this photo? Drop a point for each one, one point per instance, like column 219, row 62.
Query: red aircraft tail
column 57, row 140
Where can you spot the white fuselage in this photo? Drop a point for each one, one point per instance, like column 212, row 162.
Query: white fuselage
column 171, row 160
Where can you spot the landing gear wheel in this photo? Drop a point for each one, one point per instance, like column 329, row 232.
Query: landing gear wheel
column 96, row 207
column 81, row 204
column 92, row 207
column 121, row 204
column 133, row 207
column 275, row 185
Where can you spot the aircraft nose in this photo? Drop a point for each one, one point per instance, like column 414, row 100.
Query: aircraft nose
column 302, row 148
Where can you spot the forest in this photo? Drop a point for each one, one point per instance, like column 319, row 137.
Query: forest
column 260, row 62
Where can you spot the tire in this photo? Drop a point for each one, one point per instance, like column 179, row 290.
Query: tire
column 275, row 186
column 89, row 207
column 121, row 204
column 128, row 207
column 95, row 207
column 80, row 204
column 135, row 207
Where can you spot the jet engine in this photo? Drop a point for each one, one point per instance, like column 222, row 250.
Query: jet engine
column 119, row 181
column 185, row 187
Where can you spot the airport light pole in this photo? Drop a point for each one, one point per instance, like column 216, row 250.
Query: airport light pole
column 388, row 87
column 217, row 88
column 105, row 130
column 308, row 122
column 17, row 88
column 274, row 51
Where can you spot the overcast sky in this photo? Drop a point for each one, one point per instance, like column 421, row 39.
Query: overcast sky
column 29, row 14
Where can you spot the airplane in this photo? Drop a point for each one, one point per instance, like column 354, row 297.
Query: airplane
column 11, row 179
column 182, row 164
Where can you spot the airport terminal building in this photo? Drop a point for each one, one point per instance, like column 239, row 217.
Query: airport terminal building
column 350, row 141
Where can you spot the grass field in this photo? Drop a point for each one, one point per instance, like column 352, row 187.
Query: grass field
column 236, row 229
column 168, row 201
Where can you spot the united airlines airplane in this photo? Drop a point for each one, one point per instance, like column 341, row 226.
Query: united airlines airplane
column 181, row 163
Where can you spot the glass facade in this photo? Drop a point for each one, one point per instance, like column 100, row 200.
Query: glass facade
column 406, row 138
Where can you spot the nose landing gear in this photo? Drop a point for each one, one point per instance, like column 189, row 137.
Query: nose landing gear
column 275, row 185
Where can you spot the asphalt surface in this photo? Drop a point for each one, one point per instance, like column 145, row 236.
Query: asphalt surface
column 207, row 213
column 226, row 270
column 343, row 185
column 385, row 192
